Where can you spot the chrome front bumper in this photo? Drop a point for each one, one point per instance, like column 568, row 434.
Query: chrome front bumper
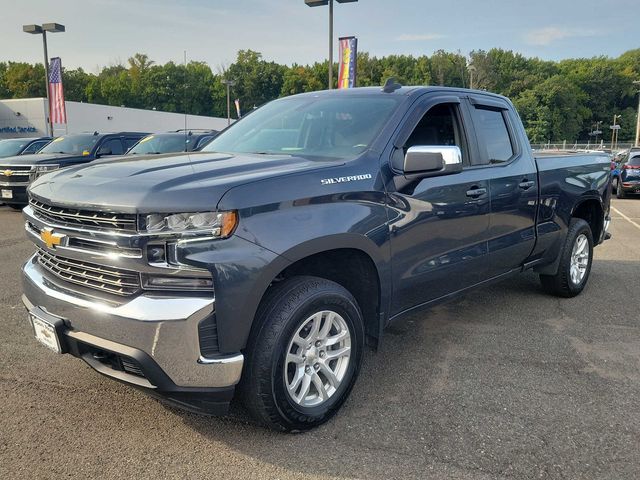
column 164, row 328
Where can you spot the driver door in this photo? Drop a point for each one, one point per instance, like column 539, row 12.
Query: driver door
column 439, row 225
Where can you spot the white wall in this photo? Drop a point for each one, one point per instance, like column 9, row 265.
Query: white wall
column 22, row 118
column 88, row 117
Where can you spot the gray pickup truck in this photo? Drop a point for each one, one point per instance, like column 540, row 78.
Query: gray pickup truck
column 263, row 265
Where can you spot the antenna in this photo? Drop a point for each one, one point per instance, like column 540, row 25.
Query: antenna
column 391, row 85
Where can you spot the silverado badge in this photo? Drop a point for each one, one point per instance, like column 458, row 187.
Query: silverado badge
column 51, row 239
column 7, row 173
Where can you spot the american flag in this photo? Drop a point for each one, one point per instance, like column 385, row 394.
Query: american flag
column 56, row 95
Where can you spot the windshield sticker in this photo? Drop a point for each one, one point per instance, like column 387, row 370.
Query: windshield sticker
column 351, row 178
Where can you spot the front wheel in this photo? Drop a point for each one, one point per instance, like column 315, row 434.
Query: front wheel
column 614, row 185
column 619, row 191
column 575, row 262
column 304, row 356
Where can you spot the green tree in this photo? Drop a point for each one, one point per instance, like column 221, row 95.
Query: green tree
column 257, row 81
column 553, row 110
column 75, row 84
column 23, row 80
column 299, row 79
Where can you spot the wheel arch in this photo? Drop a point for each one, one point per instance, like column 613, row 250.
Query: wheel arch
column 350, row 260
column 591, row 210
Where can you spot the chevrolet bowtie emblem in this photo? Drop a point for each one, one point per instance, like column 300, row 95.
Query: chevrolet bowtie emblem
column 7, row 173
column 51, row 239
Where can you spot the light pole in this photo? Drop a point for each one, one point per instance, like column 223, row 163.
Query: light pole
column 42, row 30
column 321, row 3
column 229, row 84
column 637, row 143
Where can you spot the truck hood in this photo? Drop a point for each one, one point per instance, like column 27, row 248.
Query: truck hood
column 163, row 183
column 38, row 158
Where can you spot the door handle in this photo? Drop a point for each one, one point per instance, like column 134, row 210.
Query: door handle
column 476, row 192
column 526, row 184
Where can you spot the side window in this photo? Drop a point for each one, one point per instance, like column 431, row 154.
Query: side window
column 33, row 148
column 494, row 134
column 114, row 145
column 439, row 126
column 130, row 142
column 203, row 141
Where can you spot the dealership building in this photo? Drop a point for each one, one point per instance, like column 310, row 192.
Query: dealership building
column 28, row 118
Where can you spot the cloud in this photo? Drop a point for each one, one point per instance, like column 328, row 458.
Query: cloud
column 424, row 37
column 548, row 35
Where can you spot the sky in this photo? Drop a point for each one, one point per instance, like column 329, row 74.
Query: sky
column 107, row 32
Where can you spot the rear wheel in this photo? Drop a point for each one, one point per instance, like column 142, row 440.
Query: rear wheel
column 575, row 262
column 614, row 185
column 619, row 191
column 304, row 358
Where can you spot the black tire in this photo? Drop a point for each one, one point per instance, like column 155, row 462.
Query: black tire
column 619, row 191
column 16, row 206
column 283, row 310
column 561, row 283
column 614, row 185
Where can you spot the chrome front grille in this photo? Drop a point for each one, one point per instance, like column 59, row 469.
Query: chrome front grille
column 18, row 174
column 90, row 275
column 84, row 218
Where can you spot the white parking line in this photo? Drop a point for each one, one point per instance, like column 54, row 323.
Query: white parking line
column 625, row 217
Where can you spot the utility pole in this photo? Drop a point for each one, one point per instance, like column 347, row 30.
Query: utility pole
column 472, row 70
column 637, row 144
column 614, row 131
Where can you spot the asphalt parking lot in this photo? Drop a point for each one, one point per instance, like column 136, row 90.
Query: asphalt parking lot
column 504, row 383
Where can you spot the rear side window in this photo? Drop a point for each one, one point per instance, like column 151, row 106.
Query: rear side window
column 494, row 134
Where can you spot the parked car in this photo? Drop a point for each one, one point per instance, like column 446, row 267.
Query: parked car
column 626, row 178
column 172, row 142
column 267, row 261
column 11, row 147
column 18, row 171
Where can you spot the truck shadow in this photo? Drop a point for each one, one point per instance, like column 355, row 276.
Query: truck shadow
column 476, row 387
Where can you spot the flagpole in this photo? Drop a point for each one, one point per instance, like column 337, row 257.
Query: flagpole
column 46, row 72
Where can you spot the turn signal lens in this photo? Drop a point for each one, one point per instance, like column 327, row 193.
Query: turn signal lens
column 162, row 282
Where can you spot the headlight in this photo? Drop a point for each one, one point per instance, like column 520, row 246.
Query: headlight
column 218, row 224
column 40, row 170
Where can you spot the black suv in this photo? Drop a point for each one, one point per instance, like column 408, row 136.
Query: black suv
column 173, row 142
column 11, row 147
column 18, row 171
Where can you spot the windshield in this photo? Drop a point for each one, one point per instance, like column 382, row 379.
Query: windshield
column 12, row 147
column 72, row 144
column 331, row 127
column 161, row 144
